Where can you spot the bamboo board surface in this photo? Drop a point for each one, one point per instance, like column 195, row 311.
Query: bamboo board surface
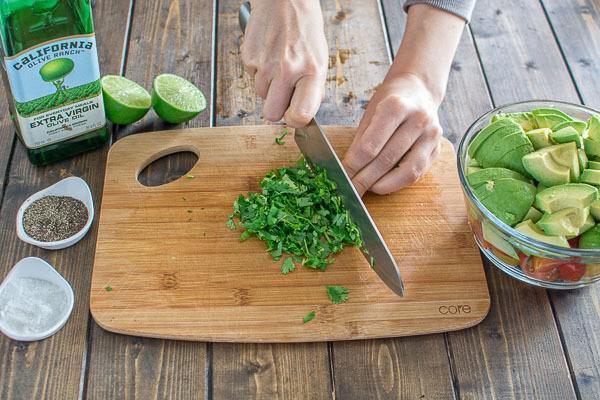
column 176, row 271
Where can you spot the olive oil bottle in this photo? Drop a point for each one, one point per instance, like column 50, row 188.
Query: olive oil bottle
column 51, row 72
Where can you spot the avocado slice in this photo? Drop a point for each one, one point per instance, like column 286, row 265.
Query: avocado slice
column 590, row 239
column 514, row 159
column 530, row 229
column 495, row 148
column 525, row 119
column 492, row 236
column 489, row 131
column 595, row 210
column 593, row 128
column 507, row 198
column 592, row 148
column 593, row 165
column 566, row 135
column 471, row 170
column 565, row 222
column 566, row 154
column 549, row 117
column 545, row 169
column 583, row 160
column 556, row 198
column 533, row 214
column 579, row 126
column 587, row 225
column 590, row 176
column 490, row 174
column 540, row 137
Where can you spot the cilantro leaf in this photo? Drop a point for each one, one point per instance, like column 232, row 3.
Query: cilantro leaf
column 308, row 317
column 284, row 133
column 297, row 213
column 108, row 288
column 337, row 294
column 287, row 266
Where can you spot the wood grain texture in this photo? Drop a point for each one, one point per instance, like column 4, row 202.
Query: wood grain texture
column 576, row 24
column 166, row 36
column 52, row 369
column 517, row 351
column 256, row 370
column 157, row 246
column 577, row 28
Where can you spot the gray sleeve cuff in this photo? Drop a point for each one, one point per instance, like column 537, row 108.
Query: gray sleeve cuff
column 460, row 8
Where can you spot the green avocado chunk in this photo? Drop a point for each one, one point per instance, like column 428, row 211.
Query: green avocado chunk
column 592, row 148
column 494, row 149
column 533, row 214
column 540, row 137
column 556, row 198
column 489, row 174
column 590, row 239
column 565, row 222
column 507, row 198
column 545, row 169
column 593, row 165
column 489, row 131
column 549, row 117
column 493, row 236
column 583, row 160
column 530, row 229
column 590, row 176
column 593, row 127
column 514, row 159
column 579, row 126
column 525, row 119
column 587, row 225
column 540, row 164
column 566, row 135
column 595, row 210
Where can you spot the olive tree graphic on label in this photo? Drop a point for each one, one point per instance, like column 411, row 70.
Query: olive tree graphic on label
column 55, row 72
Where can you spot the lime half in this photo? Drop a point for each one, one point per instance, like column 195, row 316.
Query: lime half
column 124, row 101
column 175, row 99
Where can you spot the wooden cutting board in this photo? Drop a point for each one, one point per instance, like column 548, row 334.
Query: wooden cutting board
column 174, row 270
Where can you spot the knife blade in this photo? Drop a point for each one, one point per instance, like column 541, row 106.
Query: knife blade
column 317, row 150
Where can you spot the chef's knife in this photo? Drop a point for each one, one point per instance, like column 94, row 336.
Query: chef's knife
column 316, row 148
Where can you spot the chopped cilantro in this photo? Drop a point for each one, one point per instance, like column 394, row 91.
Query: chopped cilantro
column 308, row 317
column 337, row 294
column 108, row 289
column 298, row 213
column 287, row 266
column 190, row 176
column 284, row 133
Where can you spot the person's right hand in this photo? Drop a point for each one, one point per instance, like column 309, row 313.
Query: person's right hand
column 284, row 48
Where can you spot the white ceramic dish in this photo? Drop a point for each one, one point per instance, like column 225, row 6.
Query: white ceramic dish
column 74, row 187
column 33, row 267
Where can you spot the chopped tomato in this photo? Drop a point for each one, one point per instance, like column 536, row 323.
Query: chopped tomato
column 541, row 268
column 571, row 271
column 574, row 243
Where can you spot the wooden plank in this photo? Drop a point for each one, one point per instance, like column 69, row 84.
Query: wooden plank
column 166, row 36
column 577, row 28
column 517, row 352
column 52, row 368
column 259, row 371
column 414, row 367
column 576, row 25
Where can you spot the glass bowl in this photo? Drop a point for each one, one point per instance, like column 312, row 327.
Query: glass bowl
column 520, row 256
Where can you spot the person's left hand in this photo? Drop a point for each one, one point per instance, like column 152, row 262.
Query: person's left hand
column 398, row 136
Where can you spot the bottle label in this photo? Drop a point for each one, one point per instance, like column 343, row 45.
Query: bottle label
column 56, row 90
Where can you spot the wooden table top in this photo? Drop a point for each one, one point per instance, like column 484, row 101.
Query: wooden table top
column 534, row 344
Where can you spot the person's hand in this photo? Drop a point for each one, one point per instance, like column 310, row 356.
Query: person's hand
column 398, row 136
column 284, row 48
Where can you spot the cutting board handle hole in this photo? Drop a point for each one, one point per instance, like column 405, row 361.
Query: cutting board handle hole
column 167, row 166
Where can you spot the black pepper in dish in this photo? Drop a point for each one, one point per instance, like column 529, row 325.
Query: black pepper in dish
column 54, row 218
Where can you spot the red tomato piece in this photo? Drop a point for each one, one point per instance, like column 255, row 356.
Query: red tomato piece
column 571, row 271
